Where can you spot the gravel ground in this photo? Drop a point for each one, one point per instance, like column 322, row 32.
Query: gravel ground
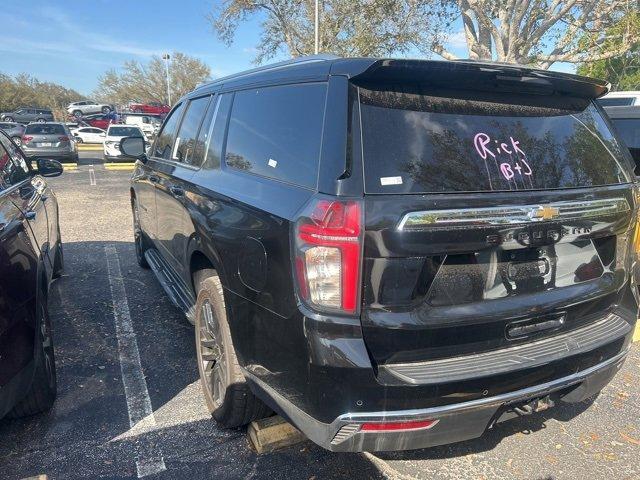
column 88, row 434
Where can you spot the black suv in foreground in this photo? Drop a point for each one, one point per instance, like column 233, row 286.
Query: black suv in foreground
column 392, row 254
column 30, row 257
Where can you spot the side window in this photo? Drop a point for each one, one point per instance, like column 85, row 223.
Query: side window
column 186, row 140
column 13, row 166
column 164, row 143
column 276, row 132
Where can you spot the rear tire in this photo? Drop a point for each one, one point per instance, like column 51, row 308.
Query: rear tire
column 138, row 236
column 77, row 113
column 226, row 392
column 40, row 120
column 42, row 392
column 105, row 110
column 78, row 140
column 58, row 264
column 8, row 119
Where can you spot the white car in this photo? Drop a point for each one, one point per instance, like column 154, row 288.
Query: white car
column 89, row 135
column 112, row 140
column 147, row 123
column 78, row 109
column 620, row 99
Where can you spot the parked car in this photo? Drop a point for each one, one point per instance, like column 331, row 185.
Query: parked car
column 626, row 121
column 28, row 114
column 115, row 133
column 14, row 130
column 147, row 123
column 78, row 109
column 392, row 254
column 100, row 121
column 155, row 108
column 30, row 257
column 89, row 135
column 50, row 140
column 620, row 99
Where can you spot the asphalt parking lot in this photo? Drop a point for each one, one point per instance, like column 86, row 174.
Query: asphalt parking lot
column 125, row 356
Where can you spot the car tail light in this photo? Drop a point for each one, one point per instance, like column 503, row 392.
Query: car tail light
column 328, row 241
column 26, row 139
column 397, row 426
column 63, row 139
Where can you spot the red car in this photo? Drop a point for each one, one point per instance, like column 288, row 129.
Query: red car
column 99, row 121
column 154, row 108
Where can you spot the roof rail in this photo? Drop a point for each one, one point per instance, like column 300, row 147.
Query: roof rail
column 323, row 57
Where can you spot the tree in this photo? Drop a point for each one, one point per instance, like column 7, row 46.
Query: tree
column 349, row 28
column 535, row 32
column 623, row 71
column 148, row 82
column 542, row 32
column 25, row 90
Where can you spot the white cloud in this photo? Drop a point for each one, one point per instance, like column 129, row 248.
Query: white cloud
column 457, row 40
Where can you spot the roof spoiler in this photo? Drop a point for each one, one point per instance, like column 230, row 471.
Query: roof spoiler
column 472, row 75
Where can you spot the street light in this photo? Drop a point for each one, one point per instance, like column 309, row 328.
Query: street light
column 166, row 58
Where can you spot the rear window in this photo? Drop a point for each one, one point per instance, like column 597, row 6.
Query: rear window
column 629, row 130
column 45, row 129
column 414, row 143
column 615, row 101
column 125, row 132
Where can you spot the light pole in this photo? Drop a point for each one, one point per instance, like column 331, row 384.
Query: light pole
column 317, row 30
column 166, row 58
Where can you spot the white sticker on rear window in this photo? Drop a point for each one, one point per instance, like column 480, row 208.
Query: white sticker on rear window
column 390, row 180
column 272, row 163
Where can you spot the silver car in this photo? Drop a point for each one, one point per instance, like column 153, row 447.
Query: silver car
column 14, row 130
column 49, row 140
column 78, row 109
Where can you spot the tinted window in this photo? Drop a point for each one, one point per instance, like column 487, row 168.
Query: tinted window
column 44, row 129
column 186, row 140
column 164, row 142
column 13, row 166
column 125, row 132
column 276, row 132
column 629, row 130
column 615, row 101
column 416, row 143
column 216, row 134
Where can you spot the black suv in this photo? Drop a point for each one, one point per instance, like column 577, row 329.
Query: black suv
column 392, row 254
column 30, row 257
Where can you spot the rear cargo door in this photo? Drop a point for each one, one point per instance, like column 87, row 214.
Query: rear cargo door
column 488, row 224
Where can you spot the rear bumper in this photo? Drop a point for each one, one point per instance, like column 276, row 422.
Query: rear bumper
column 456, row 422
column 54, row 154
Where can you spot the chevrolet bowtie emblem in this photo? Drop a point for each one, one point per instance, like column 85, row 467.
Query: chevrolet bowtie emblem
column 544, row 213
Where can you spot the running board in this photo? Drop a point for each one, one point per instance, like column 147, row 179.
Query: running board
column 178, row 292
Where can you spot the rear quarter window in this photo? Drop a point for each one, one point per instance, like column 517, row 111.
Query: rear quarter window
column 276, row 132
column 416, row 143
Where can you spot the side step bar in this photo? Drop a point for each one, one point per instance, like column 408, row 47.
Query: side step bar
column 179, row 293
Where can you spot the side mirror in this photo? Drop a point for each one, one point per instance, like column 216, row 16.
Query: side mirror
column 49, row 168
column 134, row 147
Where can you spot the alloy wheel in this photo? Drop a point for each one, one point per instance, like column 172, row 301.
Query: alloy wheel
column 211, row 354
column 47, row 347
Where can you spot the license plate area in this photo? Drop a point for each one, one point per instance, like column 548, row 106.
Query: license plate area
column 45, row 144
column 499, row 272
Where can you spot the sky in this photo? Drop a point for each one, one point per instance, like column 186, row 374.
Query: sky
column 73, row 42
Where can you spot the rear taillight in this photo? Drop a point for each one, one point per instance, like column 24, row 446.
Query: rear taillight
column 63, row 139
column 328, row 241
column 26, row 139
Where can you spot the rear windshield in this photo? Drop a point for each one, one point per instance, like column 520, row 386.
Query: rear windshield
column 125, row 132
column 45, row 129
column 415, row 143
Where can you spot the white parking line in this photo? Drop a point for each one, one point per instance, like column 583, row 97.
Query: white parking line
column 135, row 385
column 92, row 175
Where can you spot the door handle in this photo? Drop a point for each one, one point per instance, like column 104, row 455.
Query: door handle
column 176, row 191
column 154, row 179
column 30, row 215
